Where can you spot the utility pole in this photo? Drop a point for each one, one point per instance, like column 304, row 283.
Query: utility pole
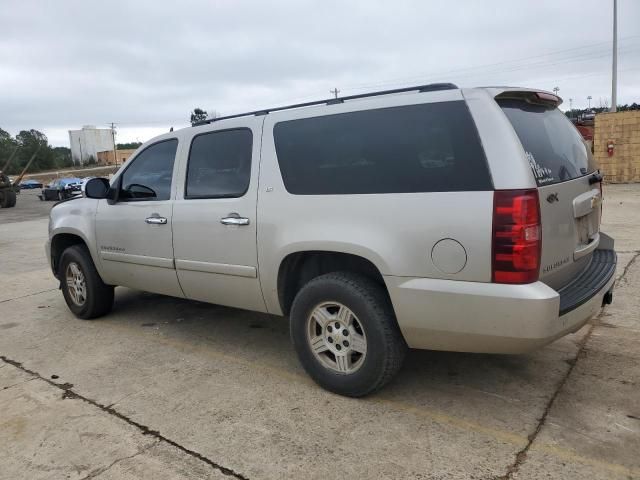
column 113, row 137
column 589, row 98
column 614, row 63
column 335, row 92
column 571, row 108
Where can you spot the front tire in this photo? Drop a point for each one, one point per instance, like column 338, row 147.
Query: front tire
column 345, row 333
column 87, row 296
column 7, row 198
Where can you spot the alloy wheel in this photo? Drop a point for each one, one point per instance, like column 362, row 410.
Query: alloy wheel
column 76, row 284
column 336, row 337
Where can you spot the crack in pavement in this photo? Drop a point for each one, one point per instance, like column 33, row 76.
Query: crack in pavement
column 627, row 267
column 17, row 383
column 67, row 388
column 28, row 295
column 101, row 470
column 521, row 456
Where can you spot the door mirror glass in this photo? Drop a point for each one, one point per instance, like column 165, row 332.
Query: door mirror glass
column 138, row 191
column 96, row 188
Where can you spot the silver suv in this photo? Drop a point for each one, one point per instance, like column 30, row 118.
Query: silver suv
column 430, row 217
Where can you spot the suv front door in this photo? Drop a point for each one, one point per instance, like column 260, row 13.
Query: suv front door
column 214, row 223
column 134, row 237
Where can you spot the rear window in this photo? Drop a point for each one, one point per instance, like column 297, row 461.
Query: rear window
column 554, row 148
column 430, row 147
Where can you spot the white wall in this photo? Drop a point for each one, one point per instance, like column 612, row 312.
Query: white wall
column 88, row 142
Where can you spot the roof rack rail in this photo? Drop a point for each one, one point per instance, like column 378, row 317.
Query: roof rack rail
column 432, row 87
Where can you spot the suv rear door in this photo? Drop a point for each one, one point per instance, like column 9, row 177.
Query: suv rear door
column 568, row 186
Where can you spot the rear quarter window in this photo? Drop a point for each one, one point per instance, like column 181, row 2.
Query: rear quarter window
column 554, row 148
column 431, row 147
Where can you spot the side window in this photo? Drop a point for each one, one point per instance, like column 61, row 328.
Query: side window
column 148, row 177
column 431, row 147
column 219, row 164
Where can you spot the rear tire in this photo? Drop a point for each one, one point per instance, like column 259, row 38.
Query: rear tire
column 345, row 333
column 87, row 296
column 11, row 198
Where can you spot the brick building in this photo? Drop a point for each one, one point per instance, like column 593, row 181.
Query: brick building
column 622, row 129
column 106, row 157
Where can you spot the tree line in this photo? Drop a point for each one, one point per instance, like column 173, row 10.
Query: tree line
column 24, row 145
column 578, row 112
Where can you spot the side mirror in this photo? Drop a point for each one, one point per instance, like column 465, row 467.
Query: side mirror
column 96, row 188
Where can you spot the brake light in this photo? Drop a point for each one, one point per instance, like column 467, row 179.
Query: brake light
column 547, row 97
column 517, row 236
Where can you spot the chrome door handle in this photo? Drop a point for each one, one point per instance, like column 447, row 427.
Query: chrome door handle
column 156, row 220
column 234, row 219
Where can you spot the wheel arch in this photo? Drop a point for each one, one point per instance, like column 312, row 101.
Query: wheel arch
column 60, row 242
column 299, row 267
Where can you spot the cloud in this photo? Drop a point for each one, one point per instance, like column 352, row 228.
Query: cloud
column 146, row 64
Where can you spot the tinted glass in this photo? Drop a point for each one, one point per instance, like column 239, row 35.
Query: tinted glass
column 419, row 148
column 148, row 177
column 554, row 148
column 219, row 164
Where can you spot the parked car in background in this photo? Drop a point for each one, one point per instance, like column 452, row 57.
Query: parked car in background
column 30, row 184
column 62, row 189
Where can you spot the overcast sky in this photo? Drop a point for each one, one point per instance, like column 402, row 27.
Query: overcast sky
column 146, row 64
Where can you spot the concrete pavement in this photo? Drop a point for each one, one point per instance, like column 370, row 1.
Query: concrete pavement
column 165, row 388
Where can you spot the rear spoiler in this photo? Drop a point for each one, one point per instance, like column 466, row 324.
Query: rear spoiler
column 531, row 96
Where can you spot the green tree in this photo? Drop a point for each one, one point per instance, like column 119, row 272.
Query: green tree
column 30, row 142
column 198, row 115
column 25, row 144
column 62, row 157
column 7, row 147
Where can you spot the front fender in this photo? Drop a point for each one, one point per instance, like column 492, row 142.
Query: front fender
column 76, row 218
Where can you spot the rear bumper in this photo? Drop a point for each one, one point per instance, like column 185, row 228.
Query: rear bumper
column 494, row 318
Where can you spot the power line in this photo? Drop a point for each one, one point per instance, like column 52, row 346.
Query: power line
column 508, row 69
column 484, row 66
column 514, row 65
column 555, row 77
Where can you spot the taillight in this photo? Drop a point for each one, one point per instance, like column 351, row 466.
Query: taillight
column 516, row 236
